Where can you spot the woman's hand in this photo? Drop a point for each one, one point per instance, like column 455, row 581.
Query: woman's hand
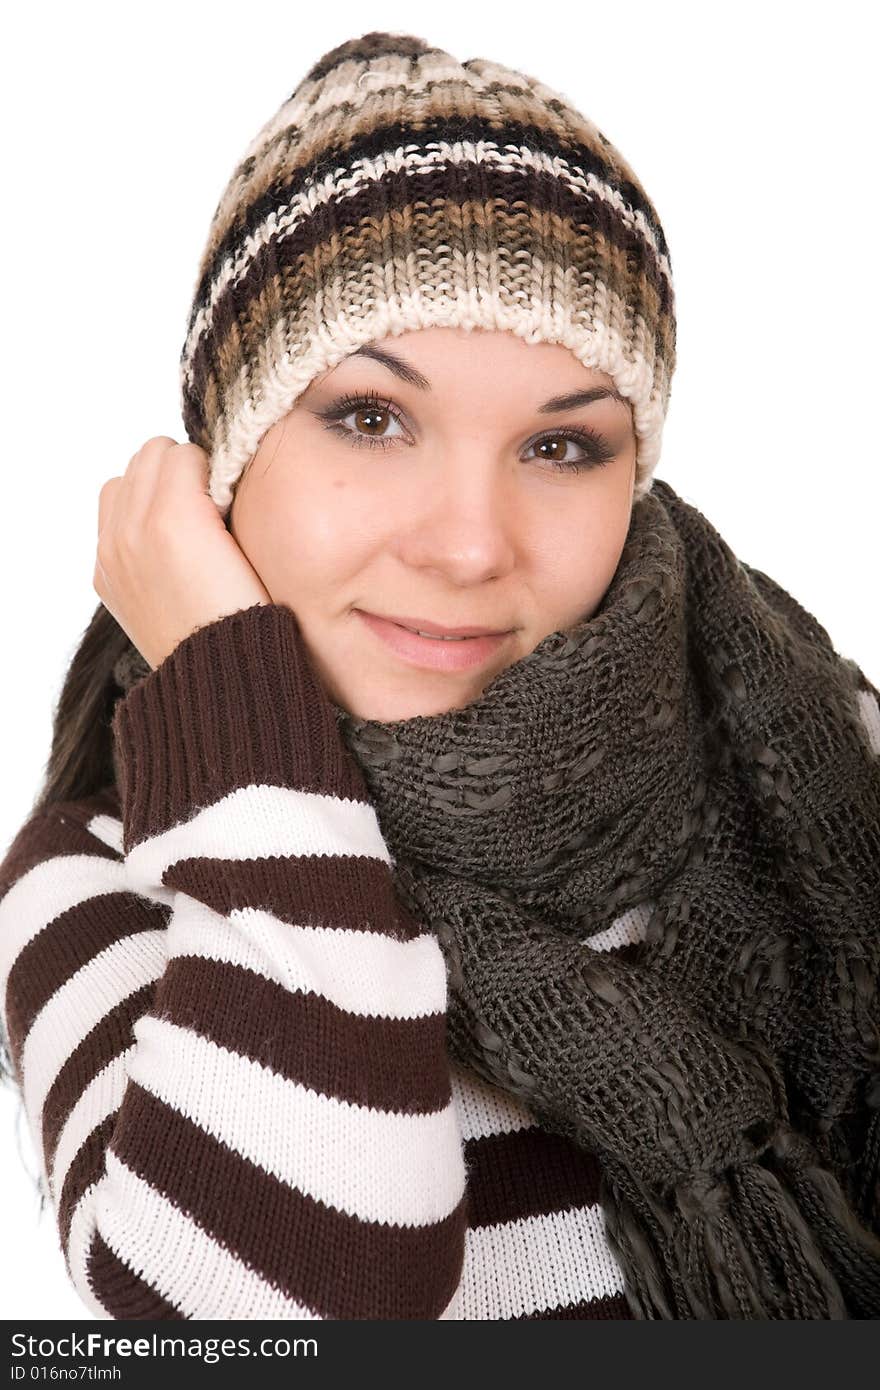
column 166, row 563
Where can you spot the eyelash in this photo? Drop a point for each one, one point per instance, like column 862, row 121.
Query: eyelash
column 597, row 448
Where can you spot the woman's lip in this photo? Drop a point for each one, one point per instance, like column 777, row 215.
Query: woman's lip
column 433, row 653
column 424, row 625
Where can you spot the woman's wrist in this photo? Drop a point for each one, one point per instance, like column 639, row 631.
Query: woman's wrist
column 236, row 703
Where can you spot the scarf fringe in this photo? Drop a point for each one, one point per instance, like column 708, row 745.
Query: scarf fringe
column 852, row 1249
column 752, row 1244
column 869, row 1189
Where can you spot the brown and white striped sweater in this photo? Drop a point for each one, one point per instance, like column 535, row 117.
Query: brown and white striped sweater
column 229, row 1037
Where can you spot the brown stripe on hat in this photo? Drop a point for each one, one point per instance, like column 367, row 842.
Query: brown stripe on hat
column 293, row 162
column 546, row 232
column 377, row 43
column 525, row 209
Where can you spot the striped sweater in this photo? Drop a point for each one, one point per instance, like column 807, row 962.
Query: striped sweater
column 229, row 1036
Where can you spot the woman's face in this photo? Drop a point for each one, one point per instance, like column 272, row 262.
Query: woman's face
column 443, row 493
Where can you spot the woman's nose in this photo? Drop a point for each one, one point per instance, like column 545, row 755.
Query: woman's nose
column 463, row 520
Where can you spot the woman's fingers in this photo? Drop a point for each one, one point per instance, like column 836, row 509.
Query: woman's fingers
column 105, row 503
column 166, row 563
column 142, row 477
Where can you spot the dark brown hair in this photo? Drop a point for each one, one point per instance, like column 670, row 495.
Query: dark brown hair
column 80, row 760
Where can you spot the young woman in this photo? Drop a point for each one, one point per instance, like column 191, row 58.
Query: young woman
column 454, row 892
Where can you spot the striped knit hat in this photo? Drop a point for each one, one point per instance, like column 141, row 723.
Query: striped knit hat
column 399, row 189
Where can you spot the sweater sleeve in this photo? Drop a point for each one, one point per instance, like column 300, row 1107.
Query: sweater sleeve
column 229, row 1034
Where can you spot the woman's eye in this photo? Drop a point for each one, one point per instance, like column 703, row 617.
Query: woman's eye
column 571, row 450
column 375, row 420
column 370, row 415
column 594, row 449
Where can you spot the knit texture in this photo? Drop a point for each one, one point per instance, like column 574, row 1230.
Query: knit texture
column 698, row 742
column 397, row 189
column 230, row 1041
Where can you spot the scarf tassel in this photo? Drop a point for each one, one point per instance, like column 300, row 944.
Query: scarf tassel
column 752, row 1244
column 870, row 1191
column 868, row 1168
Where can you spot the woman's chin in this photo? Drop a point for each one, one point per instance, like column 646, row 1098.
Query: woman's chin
column 384, row 710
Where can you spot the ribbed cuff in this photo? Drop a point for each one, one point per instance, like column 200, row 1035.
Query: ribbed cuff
column 236, row 703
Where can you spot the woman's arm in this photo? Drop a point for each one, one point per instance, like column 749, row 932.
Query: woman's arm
column 230, row 1037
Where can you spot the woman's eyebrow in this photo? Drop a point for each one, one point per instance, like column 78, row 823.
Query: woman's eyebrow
column 571, row 400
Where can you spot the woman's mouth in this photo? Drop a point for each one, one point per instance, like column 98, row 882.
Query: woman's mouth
column 434, row 653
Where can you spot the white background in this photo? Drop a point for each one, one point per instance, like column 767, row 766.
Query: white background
column 752, row 129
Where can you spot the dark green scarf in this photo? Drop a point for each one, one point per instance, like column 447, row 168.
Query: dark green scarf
column 692, row 752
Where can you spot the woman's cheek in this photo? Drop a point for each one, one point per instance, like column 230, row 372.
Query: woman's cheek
column 325, row 535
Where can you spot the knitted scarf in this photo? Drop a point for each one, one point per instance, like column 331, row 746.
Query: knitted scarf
column 690, row 758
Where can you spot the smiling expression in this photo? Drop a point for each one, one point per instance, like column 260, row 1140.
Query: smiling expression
column 456, row 481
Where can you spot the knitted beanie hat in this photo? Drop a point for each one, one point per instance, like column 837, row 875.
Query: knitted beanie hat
column 399, row 189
